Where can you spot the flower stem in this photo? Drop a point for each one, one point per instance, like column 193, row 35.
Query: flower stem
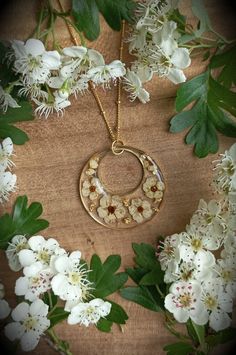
column 159, row 291
column 59, row 345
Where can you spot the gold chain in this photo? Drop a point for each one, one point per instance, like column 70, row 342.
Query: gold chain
column 115, row 136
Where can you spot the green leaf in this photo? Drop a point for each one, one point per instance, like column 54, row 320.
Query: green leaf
column 103, row 275
column 154, row 277
column 199, row 331
column 208, row 114
column 117, row 314
column 200, row 12
column 145, row 255
column 17, row 135
column 104, row 325
column 221, row 337
column 191, row 90
column 23, row 113
column 226, row 60
column 142, row 296
column 86, row 15
column 24, row 220
column 179, row 348
column 136, row 274
column 57, row 316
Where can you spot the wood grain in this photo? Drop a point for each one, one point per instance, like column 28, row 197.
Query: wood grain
column 48, row 169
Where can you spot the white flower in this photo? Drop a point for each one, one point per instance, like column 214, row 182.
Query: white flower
column 6, row 151
column 6, row 100
column 92, row 189
column 41, row 252
column 133, row 85
column 111, row 208
column 226, row 270
column 137, row 39
column 71, row 275
column 5, row 310
column 103, row 74
column 93, row 165
column 184, row 302
column 89, row 313
column 210, row 216
column 30, row 322
column 32, row 89
column 18, row 243
column 196, row 242
column 80, row 60
column 140, row 210
column 169, row 251
column 7, row 185
column 218, row 304
column 32, row 286
column 170, row 61
column 51, row 103
column 86, row 291
column 33, row 61
column 225, row 179
column 154, row 188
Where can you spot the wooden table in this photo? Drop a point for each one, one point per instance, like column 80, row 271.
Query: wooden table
column 48, row 169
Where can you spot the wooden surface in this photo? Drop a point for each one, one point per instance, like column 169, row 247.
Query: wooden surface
column 48, row 169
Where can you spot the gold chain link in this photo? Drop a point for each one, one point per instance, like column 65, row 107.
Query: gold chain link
column 115, row 135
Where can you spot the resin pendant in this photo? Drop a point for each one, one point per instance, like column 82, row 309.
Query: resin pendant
column 123, row 210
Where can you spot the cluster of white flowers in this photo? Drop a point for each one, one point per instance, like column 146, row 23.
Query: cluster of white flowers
column 48, row 78
column 47, row 266
column 203, row 286
column 154, row 42
column 7, row 179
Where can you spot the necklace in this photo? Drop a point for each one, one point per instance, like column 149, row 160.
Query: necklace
column 124, row 210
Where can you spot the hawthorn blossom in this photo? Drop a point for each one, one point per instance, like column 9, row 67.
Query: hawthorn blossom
column 71, row 276
column 169, row 251
column 6, row 100
column 226, row 272
column 39, row 254
column 225, row 171
column 7, row 185
column 29, row 323
column 133, row 85
column 218, row 304
column 89, row 313
column 33, row 285
column 33, row 61
column 184, row 302
column 106, row 73
column 6, row 151
column 18, row 243
column 211, row 217
column 51, row 103
column 196, row 242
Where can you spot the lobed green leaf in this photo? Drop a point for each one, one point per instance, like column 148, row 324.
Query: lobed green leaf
column 24, row 220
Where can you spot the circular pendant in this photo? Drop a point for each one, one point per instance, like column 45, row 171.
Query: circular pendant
column 123, row 210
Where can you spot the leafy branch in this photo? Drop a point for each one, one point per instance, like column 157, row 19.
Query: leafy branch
column 23, row 220
column 211, row 94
